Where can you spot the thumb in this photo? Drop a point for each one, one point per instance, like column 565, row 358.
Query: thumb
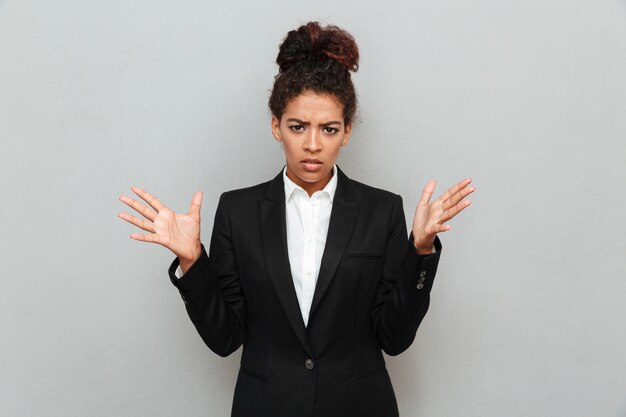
column 196, row 203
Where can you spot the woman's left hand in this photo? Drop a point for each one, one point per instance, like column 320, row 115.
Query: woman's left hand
column 431, row 217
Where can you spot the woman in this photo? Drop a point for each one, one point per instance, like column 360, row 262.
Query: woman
column 311, row 272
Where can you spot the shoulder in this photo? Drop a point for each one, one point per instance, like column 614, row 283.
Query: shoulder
column 250, row 193
column 249, row 196
column 374, row 202
column 371, row 195
column 242, row 200
column 377, row 206
column 241, row 203
column 369, row 192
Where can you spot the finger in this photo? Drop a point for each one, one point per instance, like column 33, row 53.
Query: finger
column 451, row 212
column 141, row 223
column 140, row 208
column 427, row 193
column 148, row 198
column 455, row 189
column 146, row 238
column 196, row 203
column 456, row 198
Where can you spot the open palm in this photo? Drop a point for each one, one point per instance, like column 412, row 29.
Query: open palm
column 431, row 217
column 176, row 231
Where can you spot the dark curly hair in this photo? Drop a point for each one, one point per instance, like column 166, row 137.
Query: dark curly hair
column 318, row 59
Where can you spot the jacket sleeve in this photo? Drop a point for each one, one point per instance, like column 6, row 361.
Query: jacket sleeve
column 211, row 290
column 404, row 291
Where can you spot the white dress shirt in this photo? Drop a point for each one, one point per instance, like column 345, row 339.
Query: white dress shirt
column 307, row 228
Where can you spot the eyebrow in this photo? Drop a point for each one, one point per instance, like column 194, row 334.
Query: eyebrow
column 302, row 122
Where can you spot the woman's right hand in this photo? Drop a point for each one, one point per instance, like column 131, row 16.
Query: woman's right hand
column 178, row 232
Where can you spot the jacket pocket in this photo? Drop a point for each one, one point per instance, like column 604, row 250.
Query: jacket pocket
column 254, row 375
column 363, row 256
column 371, row 373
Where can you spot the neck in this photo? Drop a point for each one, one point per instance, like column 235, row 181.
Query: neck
column 310, row 187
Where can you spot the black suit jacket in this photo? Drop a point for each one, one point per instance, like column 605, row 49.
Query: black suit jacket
column 371, row 295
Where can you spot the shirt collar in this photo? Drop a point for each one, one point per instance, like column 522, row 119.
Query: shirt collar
column 291, row 186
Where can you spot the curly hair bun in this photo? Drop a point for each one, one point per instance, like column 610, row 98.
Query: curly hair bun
column 312, row 42
column 318, row 59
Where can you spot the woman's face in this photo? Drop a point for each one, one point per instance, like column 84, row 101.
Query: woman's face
column 311, row 130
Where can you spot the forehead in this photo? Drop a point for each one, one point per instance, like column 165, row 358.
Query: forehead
column 311, row 106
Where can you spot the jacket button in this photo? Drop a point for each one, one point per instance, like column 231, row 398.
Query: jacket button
column 309, row 364
column 420, row 286
column 422, row 274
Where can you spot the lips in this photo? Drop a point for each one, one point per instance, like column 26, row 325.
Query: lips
column 311, row 164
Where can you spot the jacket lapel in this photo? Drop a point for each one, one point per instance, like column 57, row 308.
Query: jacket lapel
column 274, row 238
column 342, row 218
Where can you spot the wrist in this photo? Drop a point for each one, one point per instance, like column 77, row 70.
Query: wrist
column 423, row 246
column 424, row 250
column 186, row 262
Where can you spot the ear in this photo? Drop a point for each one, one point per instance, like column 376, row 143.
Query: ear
column 346, row 134
column 276, row 128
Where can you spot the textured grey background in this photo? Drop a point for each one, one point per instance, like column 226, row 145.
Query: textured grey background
column 527, row 97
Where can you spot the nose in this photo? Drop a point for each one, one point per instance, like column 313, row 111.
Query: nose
column 312, row 142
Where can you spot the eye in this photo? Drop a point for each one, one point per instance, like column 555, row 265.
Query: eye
column 296, row 128
column 330, row 130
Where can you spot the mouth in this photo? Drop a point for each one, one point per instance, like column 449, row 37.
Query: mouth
column 311, row 164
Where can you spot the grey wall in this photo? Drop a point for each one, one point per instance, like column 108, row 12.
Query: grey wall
column 527, row 97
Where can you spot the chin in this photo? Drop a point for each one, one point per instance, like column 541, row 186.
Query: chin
column 310, row 179
column 313, row 177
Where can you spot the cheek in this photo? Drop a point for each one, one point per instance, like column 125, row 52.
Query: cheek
column 289, row 150
column 334, row 149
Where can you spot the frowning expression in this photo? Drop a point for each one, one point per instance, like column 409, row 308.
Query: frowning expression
column 312, row 130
